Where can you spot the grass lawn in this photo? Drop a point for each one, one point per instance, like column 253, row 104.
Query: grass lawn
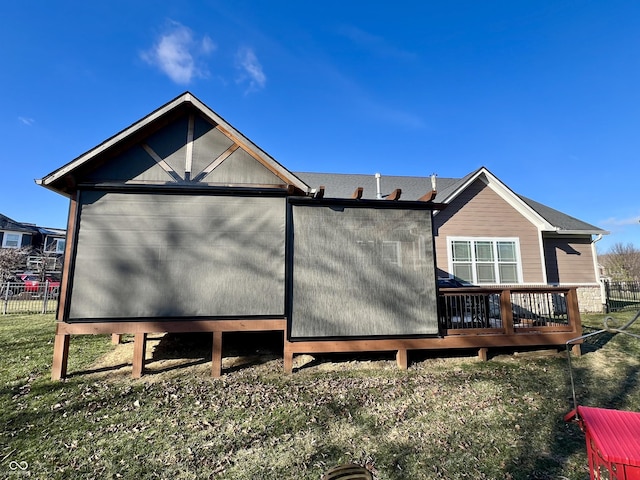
column 448, row 418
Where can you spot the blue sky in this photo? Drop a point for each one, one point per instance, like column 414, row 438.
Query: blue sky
column 545, row 94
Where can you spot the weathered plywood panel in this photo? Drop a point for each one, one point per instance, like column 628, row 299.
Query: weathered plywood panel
column 481, row 212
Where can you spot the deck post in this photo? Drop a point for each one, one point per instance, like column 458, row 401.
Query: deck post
column 402, row 359
column 506, row 311
column 60, row 356
column 216, row 355
column 483, row 354
column 139, row 351
column 573, row 310
column 287, row 356
column 116, row 338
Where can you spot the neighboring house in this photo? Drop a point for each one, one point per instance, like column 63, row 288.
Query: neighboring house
column 43, row 244
column 180, row 223
column 489, row 235
column 17, row 235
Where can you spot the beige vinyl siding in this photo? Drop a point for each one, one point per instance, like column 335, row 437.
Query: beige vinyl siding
column 569, row 260
column 481, row 212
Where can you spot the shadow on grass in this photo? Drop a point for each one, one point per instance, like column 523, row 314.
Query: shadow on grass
column 109, row 368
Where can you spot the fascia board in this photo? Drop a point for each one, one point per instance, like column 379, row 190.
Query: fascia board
column 265, row 157
column 186, row 97
column 110, row 142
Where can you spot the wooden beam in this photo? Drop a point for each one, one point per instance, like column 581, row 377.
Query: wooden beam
column 395, row 195
column 483, row 354
column 164, row 165
column 319, row 192
column 139, row 352
column 216, row 163
column 182, row 326
column 216, row 355
column 68, row 252
column 60, row 356
column 428, row 197
column 358, row 193
column 238, row 141
column 116, row 338
column 189, row 150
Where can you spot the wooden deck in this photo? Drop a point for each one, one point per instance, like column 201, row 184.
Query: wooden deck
column 469, row 318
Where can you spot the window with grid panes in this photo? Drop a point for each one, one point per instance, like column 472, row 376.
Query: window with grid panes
column 485, row 260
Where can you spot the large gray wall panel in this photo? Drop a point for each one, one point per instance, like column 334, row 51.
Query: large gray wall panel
column 361, row 272
column 162, row 255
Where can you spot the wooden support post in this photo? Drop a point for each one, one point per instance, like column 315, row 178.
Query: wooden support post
column 506, row 311
column 402, row 359
column 139, row 351
column 287, row 356
column 216, row 355
column 288, row 363
column 482, row 354
column 116, row 338
column 60, row 356
column 576, row 351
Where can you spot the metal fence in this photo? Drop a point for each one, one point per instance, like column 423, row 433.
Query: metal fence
column 622, row 295
column 18, row 297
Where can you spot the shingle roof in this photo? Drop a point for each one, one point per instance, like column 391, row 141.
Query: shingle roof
column 7, row 223
column 560, row 220
column 340, row 185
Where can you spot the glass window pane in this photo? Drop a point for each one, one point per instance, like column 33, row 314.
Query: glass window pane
column 12, row 240
column 486, row 273
column 461, row 251
column 60, row 244
column 484, row 251
column 508, row 273
column 463, row 272
column 507, row 251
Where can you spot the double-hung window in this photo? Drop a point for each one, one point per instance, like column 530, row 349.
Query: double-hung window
column 11, row 240
column 485, row 260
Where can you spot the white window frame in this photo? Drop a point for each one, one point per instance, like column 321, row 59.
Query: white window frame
column 59, row 241
column 4, row 239
column 496, row 263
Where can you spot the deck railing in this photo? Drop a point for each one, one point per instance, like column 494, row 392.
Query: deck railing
column 507, row 310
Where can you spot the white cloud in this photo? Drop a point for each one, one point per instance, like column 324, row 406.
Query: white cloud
column 178, row 54
column 26, row 121
column 250, row 69
column 621, row 222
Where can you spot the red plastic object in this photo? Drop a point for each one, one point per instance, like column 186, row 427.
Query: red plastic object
column 613, row 442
